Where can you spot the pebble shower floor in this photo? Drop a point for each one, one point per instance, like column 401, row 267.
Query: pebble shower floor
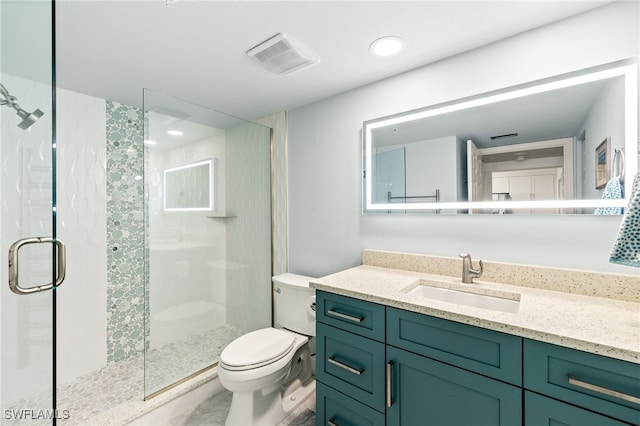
column 122, row 381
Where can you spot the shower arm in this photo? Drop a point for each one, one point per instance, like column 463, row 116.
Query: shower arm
column 9, row 99
column 28, row 118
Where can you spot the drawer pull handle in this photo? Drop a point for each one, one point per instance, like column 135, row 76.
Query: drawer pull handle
column 605, row 391
column 332, row 422
column 344, row 316
column 350, row 369
column 389, row 372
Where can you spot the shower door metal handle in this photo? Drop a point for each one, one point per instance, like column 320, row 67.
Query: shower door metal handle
column 14, row 283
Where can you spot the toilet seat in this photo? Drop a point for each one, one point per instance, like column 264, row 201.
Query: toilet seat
column 257, row 349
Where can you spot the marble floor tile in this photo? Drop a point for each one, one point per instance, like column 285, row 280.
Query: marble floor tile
column 213, row 412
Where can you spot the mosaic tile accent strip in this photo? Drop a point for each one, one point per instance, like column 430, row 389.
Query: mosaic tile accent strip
column 125, row 236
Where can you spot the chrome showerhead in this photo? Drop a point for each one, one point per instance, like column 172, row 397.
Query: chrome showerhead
column 28, row 118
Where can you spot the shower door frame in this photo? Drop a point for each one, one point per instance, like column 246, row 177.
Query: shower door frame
column 28, row 347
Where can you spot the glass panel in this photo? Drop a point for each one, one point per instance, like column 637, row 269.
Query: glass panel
column 389, row 169
column 208, row 235
column 26, row 191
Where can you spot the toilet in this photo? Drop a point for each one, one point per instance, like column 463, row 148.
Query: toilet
column 270, row 371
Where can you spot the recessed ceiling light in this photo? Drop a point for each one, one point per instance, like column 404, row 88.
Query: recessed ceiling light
column 386, row 46
column 150, row 143
column 175, row 132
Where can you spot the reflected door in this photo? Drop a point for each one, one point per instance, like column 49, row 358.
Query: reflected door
column 27, row 230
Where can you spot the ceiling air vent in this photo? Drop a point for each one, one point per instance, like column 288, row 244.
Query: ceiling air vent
column 280, row 55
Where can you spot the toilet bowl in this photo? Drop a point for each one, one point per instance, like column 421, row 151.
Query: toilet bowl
column 269, row 368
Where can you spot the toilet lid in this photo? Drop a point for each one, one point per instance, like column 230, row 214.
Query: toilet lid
column 257, row 348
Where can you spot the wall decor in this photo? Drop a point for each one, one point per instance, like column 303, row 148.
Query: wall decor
column 603, row 152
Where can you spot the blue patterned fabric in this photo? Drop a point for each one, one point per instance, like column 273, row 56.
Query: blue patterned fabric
column 626, row 248
column 612, row 191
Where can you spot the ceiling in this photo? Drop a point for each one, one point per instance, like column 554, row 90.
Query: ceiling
column 195, row 50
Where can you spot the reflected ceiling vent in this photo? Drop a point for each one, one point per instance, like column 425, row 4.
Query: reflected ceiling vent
column 167, row 116
column 281, row 55
column 506, row 135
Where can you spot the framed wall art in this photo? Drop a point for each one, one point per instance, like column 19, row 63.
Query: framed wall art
column 603, row 160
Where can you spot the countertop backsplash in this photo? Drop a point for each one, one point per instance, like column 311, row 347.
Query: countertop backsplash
column 587, row 283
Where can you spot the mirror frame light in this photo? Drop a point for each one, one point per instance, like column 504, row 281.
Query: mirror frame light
column 628, row 71
column 208, row 208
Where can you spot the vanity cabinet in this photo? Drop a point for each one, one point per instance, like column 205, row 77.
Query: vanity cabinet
column 380, row 364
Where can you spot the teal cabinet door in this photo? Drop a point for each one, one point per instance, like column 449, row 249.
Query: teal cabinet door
column 540, row 411
column 426, row 392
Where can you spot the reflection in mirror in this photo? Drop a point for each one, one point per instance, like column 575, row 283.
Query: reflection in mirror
column 536, row 148
column 189, row 187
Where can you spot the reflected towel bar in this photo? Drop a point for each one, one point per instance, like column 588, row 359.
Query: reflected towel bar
column 617, row 164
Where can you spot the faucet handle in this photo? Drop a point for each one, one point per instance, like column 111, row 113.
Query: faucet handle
column 464, row 254
column 478, row 272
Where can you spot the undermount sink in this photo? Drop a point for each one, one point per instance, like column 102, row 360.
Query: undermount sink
column 500, row 301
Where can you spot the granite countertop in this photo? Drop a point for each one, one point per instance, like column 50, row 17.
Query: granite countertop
column 601, row 325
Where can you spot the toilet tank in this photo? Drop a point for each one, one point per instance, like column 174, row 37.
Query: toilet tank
column 293, row 300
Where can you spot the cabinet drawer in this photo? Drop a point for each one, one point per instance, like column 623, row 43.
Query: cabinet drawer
column 351, row 364
column 335, row 408
column 540, row 410
column 483, row 351
column 584, row 379
column 357, row 316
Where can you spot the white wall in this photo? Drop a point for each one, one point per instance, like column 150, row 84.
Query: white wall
column 429, row 167
column 82, row 225
column 606, row 119
column 327, row 230
column 25, row 211
column 249, row 246
column 189, row 268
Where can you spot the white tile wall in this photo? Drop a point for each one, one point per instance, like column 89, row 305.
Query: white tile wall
column 81, row 194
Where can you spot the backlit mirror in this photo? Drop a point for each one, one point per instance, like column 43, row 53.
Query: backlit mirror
column 558, row 146
column 189, row 187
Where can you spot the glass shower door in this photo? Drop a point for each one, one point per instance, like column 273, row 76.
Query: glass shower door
column 27, row 206
column 208, row 236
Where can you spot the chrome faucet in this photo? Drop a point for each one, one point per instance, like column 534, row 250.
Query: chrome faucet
column 468, row 273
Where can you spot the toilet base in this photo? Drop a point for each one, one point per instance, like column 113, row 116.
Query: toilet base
column 299, row 400
column 256, row 409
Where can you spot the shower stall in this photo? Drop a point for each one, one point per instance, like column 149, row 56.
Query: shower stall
column 208, row 215
column 165, row 214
